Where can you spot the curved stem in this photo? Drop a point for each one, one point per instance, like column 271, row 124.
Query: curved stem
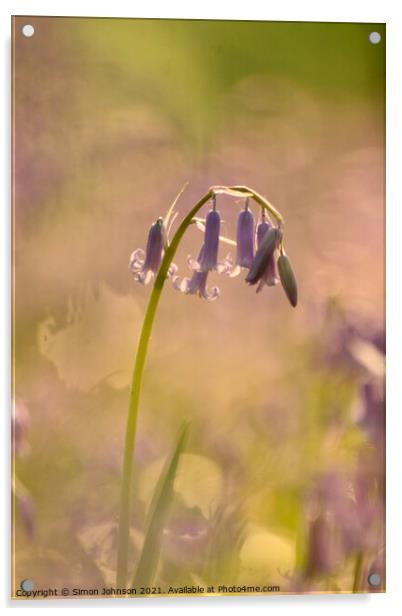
column 125, row 499
column 245, row 191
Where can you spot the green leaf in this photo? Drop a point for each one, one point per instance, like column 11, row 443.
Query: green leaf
column 157, row 515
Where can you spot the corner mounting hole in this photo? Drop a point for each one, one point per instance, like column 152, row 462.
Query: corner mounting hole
column 27, row 585
column 374, row 579
column 28, row 30
column 374, row 38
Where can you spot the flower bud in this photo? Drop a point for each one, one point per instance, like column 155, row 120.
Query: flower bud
column 153, row 254
column 144, row 266
column 288, row 279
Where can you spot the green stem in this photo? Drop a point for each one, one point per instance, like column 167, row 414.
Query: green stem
column 126, row 486
column 358, row 572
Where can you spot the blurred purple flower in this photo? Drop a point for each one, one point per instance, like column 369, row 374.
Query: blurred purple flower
column 346, row 521
column 244, row 241
column 23, row 500
column 20, row 423
column 25, row 508
column 321, row 556
column 197, row 284
column 186, row 537
column 359, row 517
column 323, row 549
column 372, row 418
column 144, row 267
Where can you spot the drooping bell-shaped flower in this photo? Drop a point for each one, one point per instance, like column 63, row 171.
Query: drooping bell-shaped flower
column 262, row 229
column 244, row 241
column 263, row 267
column 209, row 259
column 197, row 284
column 269, row 276
column 144, row 267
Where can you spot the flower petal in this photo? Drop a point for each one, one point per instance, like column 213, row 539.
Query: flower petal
column 235, row 271
column 212, row 295
column 144, row 276
column 226, row 267
column 193, row 264
column 173, row 269
column 136, row 260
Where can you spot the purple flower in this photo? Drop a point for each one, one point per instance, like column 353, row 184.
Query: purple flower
column 321, row 554
column 269, row 276
column 345, row 514
column 372, row 417
column 262, row 229
column 244, row 240
column 263, row 267
column 20, row 424
column 26, row 510
column 197, row 284
column 145, row 267
column 186, row 536
column 208, row 258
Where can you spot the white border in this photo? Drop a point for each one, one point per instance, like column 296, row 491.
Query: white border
column 285, row 10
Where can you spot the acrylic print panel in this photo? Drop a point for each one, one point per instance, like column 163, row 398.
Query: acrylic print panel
column 198, row 261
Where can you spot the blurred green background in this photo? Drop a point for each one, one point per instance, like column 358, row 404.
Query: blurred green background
column 111, row 118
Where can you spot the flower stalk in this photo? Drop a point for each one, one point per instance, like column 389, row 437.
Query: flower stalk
column 142, row 348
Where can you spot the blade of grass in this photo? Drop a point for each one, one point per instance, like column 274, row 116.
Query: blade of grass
column 168, row 220
column 157, row 515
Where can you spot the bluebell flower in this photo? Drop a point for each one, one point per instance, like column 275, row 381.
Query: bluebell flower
column 262, row 229
column 145, row 266
column 208, row 259
column 197, row 284
column 263, row 267
column 256, row 251
column 244, row 241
